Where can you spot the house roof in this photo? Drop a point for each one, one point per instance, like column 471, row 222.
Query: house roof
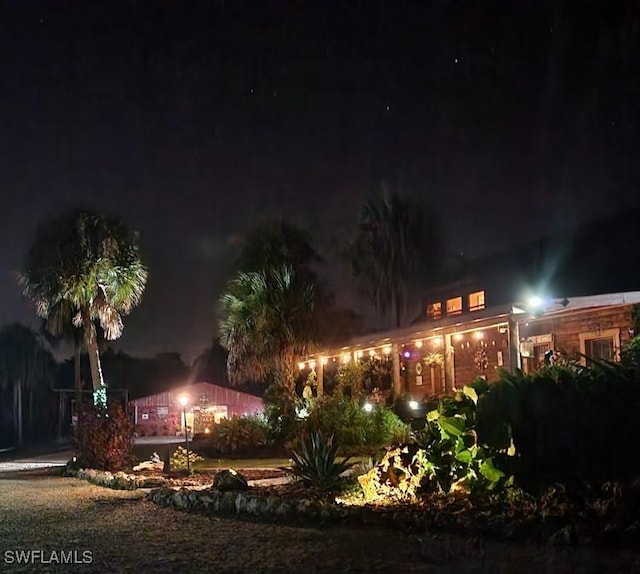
column 215, row 394
column 490, row 316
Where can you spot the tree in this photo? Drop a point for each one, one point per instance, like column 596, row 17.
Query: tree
column 90, row 265
column 393, row 236
column 266, row 323
column 275, row 243
column 26, row 367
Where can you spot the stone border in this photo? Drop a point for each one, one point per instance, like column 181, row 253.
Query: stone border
column 274, row 508
column 243, row 502
column 118, row 480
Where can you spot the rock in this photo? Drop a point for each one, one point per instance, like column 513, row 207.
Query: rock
column 151, row 481
column 155, row 466
column 284, row 509
column 252, row 505
column 228, row 502
column 241, row 503
column 302, row 506
column 564, row 537
column 226, row 480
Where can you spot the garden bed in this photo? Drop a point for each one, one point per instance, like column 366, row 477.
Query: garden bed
column 133, row 480
column 550, row 522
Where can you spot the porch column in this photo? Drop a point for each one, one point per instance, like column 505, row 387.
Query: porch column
column 515, row 361
column 395, row 373
column 320, row 376
column 449, row 365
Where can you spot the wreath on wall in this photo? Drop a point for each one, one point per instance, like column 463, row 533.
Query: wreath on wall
column 481, row 360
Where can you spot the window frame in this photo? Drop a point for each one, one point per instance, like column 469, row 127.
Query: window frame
column 458, row 311
column 613, row 334
column 435, row 316
column 471, row 307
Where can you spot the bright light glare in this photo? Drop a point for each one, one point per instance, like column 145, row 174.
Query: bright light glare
column 301, row 366
column 368, row 407
column 535, row 301
column 414, row 405
column 184, row 400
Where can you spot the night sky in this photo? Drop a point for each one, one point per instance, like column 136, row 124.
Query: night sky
column 194, row 120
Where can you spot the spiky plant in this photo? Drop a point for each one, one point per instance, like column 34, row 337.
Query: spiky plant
column 314, row 462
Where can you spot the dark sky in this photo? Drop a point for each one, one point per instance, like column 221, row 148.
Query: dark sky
column 192, row 120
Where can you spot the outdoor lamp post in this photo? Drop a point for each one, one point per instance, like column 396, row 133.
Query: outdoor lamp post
column 184, row 400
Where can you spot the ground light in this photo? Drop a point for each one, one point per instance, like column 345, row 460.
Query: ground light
column 368, row 407
column 414, row 405
column 184, row 401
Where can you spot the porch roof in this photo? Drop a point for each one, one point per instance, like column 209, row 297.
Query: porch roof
column 517, row 311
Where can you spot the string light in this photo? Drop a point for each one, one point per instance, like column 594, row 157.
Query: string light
column 419, row 344
column 301, row 366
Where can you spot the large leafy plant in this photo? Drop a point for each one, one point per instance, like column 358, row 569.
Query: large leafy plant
column 451, row 457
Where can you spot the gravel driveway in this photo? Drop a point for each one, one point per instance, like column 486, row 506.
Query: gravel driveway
column 118, row 531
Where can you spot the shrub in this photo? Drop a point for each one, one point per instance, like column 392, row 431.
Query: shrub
column 104, row 439
column 178, row 460
column 238, row 435
column 314, row 461
column 570, row 424
column 355, row 430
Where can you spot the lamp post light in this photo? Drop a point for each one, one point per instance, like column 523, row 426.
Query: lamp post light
column 184, row 400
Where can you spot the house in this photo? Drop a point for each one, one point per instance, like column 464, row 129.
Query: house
column 461, row 338
column 206, row 404
column 572, row 295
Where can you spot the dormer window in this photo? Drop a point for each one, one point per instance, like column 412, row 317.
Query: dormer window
column 454, row 306
column 476, row 301
column 434, row 310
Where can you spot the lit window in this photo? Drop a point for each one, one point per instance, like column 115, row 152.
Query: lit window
column 454, row 306
column 476, row 301
column 434, row 310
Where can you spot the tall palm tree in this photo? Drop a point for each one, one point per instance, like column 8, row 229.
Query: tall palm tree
column 26, row 367
column 392, row 238
column 266, row 323
column 278, row 242
column 90, row 264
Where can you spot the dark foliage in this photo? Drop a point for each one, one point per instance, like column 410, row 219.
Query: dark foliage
column 570, row 424
column 104, row 440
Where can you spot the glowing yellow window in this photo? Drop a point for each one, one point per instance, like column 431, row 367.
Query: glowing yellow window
column 476, row 301
column 434, row 310
column 454, row 306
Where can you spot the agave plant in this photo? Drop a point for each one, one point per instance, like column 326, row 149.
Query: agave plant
column 314, row 461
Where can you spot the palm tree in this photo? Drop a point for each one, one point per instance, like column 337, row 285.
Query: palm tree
column 26, row 366
column 266, row 323
column 88, row 264
column 392, row 238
